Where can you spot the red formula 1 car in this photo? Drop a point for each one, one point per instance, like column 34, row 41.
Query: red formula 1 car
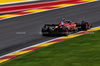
column 64, row 28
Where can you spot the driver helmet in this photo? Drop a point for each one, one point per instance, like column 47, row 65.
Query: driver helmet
column 63, row 19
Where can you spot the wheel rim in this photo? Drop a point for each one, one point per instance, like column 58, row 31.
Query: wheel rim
column 66, row 32
column 86, row 26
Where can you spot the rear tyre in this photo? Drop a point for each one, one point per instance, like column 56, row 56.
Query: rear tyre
column 84, row 25
column 65, row 31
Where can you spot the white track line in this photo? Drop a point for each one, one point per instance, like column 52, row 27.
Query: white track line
column 50, row 10
column 19, row 2
column 40, row 43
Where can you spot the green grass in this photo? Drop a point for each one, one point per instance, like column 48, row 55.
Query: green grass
column 80, row 51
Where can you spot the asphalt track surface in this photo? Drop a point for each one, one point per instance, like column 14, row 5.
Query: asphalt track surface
column 30, row 25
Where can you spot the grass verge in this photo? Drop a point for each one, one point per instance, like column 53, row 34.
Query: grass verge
column 80, row 51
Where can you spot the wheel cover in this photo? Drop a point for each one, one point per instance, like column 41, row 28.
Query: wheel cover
column 66, row 32
column 86, row 26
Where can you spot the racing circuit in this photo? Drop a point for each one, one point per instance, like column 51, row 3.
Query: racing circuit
column 23, row 31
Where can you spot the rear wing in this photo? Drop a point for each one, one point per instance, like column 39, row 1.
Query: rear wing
column 51, row 24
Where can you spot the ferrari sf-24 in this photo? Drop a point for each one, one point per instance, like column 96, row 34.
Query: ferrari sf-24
column 64, row 28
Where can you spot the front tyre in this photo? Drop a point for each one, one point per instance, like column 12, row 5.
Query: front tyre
column 84, row 25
